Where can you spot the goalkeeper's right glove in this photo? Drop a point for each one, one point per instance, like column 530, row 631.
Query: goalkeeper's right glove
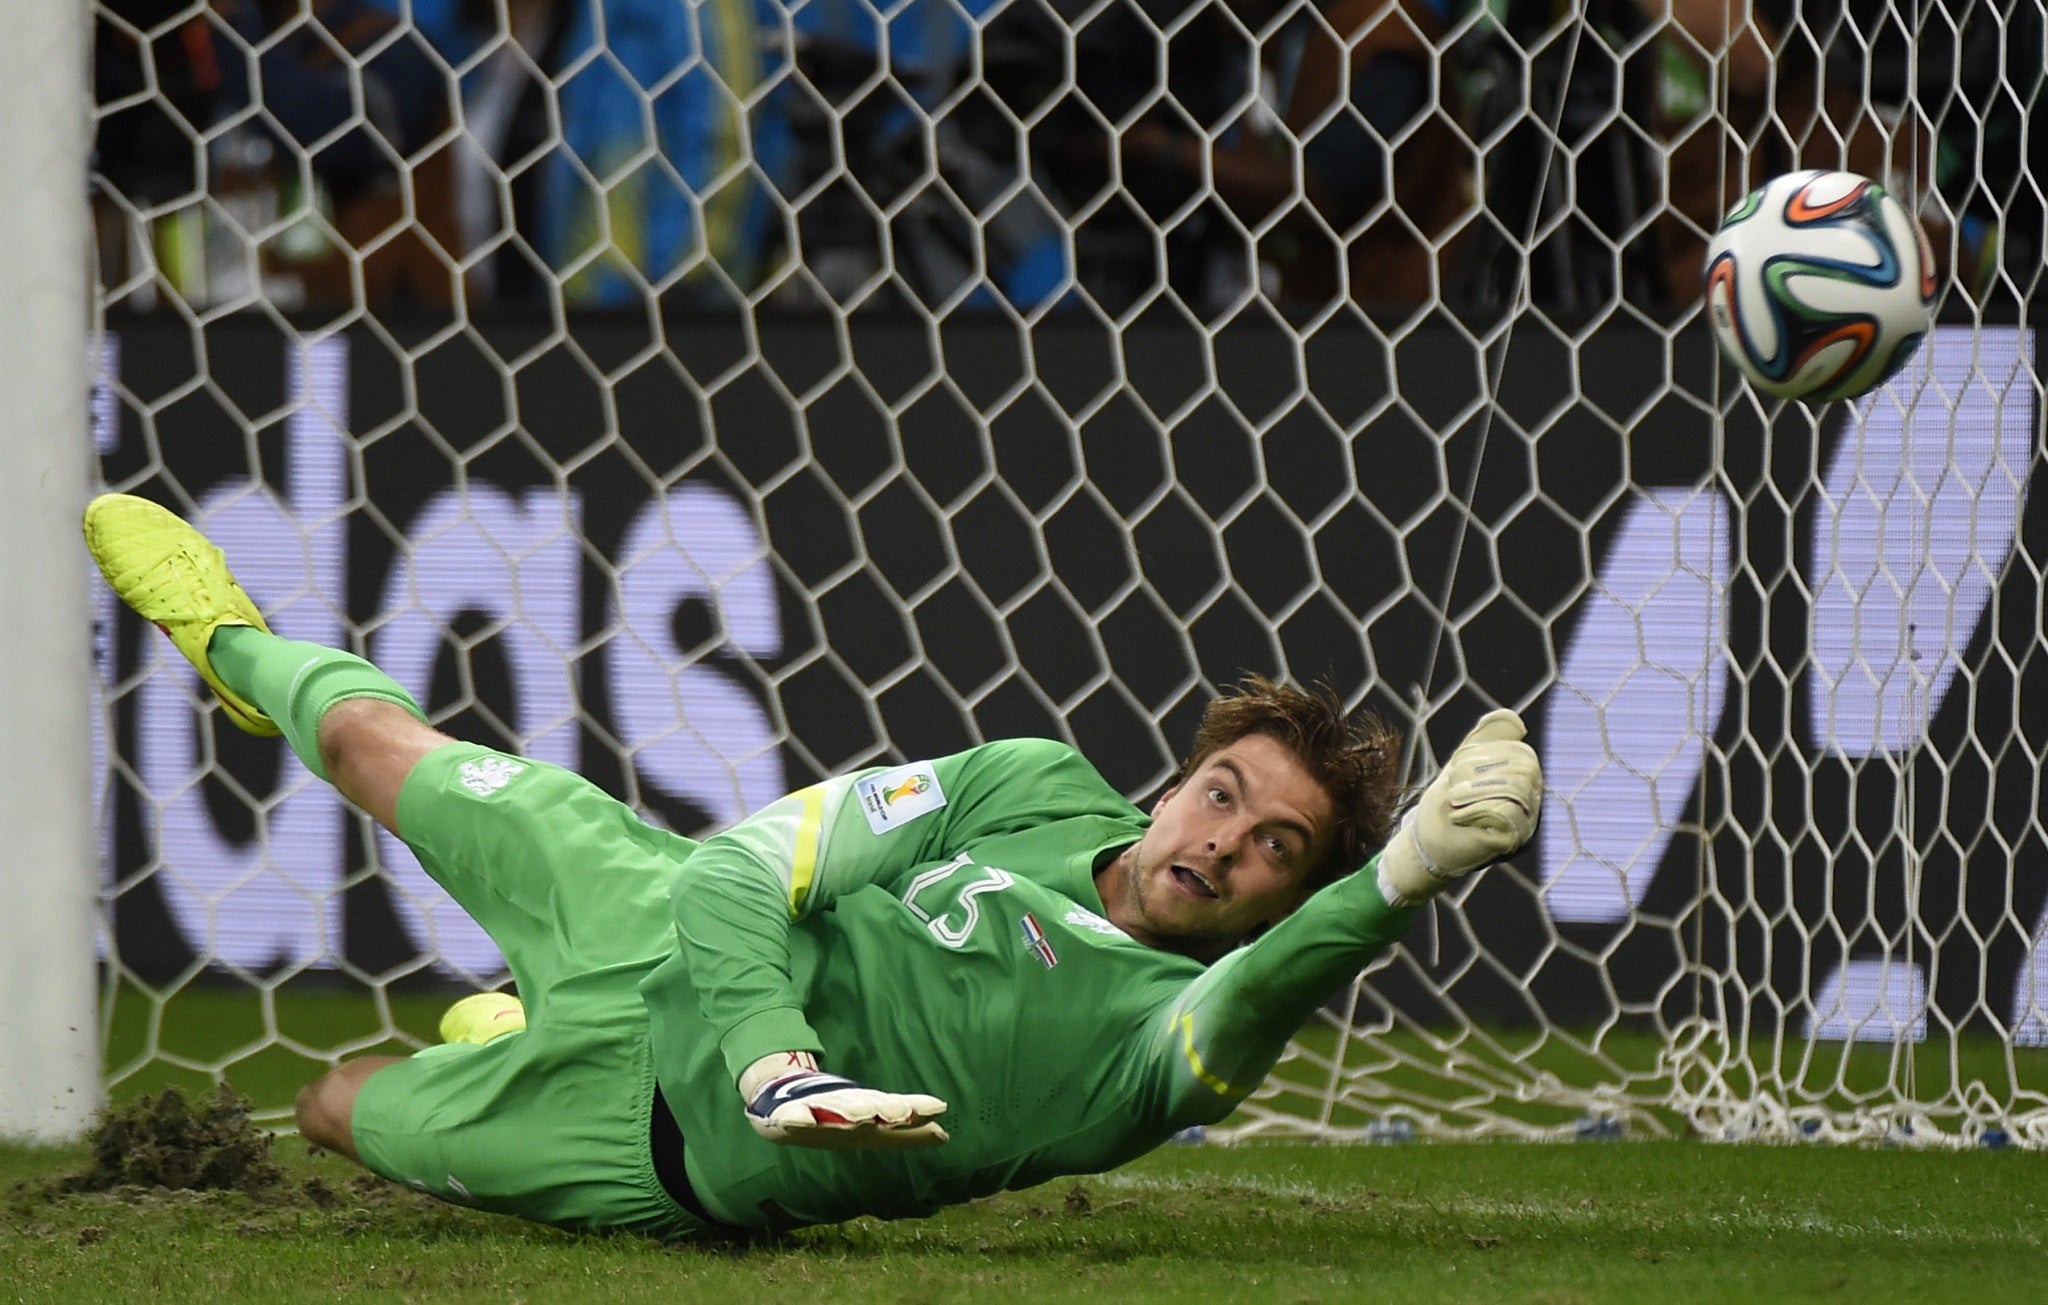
column 1481, row 808
column 790, row 1101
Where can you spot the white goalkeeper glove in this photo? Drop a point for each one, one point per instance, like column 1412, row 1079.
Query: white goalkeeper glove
column 790, row 1101
column 1482, row 807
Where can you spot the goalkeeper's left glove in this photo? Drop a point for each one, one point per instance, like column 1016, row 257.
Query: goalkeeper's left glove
column 791, row 1101
column 1482, row 807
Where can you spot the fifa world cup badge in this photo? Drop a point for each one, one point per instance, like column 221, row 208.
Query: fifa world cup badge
column 894, row 798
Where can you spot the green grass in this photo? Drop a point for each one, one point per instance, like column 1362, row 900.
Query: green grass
column 266, row 1045
column 1588, row 1222
column 1405, row 1070
column 1629, row 1222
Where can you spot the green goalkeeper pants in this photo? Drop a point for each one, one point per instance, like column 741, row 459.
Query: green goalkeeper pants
column 551, row 1123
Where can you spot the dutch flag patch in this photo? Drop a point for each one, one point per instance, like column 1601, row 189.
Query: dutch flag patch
column 1034, row 938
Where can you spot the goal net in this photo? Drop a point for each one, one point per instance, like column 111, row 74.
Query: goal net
column 713, row 397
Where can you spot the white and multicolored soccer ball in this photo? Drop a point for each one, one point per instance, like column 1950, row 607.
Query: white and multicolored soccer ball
column 1820, row 285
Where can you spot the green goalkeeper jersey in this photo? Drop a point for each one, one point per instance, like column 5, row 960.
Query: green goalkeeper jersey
column 936, row 928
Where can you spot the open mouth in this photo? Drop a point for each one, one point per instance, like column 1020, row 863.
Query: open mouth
column 1192, row 883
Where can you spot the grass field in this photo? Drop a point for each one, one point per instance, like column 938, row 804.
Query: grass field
column 1465, row 1222
column 1607, row 1221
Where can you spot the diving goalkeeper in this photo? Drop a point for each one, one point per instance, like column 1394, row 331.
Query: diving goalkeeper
column 887, row 993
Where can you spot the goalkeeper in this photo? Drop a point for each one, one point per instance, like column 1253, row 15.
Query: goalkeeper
column 890, row 992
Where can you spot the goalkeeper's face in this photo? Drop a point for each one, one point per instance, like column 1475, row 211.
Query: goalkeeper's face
column 1230, row 850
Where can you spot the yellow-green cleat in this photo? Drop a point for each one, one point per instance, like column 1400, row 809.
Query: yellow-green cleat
column 483, row 1016
column 176, row 578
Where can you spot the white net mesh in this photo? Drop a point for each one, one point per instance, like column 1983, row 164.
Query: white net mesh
column 711, row 397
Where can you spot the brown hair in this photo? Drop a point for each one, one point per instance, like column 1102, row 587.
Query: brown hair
column 1356, row 761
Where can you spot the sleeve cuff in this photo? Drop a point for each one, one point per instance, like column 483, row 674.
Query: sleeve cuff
column 780, row 1028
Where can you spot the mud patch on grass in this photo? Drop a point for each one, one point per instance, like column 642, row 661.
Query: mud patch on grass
column 169, row 1143
column 176, row 1166
column 171, row 1152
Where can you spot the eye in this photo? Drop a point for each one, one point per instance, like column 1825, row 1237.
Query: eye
column 1218, row 796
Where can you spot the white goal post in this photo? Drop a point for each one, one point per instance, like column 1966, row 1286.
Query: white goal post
column 49, row 1044
column 711, row 397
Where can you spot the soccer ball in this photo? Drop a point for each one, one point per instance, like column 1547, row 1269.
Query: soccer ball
column 1819, row 285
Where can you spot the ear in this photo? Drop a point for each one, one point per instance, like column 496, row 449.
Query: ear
column 1164, row 798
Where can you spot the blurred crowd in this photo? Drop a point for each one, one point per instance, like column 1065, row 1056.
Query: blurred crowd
column 703, row 153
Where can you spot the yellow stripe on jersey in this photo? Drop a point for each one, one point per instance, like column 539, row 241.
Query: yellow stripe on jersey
column 805, row 866
column 1187, row 1046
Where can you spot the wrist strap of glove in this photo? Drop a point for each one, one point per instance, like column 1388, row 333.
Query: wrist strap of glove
column 794, row 1086
column 1408, row 875
column 767, row 1069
